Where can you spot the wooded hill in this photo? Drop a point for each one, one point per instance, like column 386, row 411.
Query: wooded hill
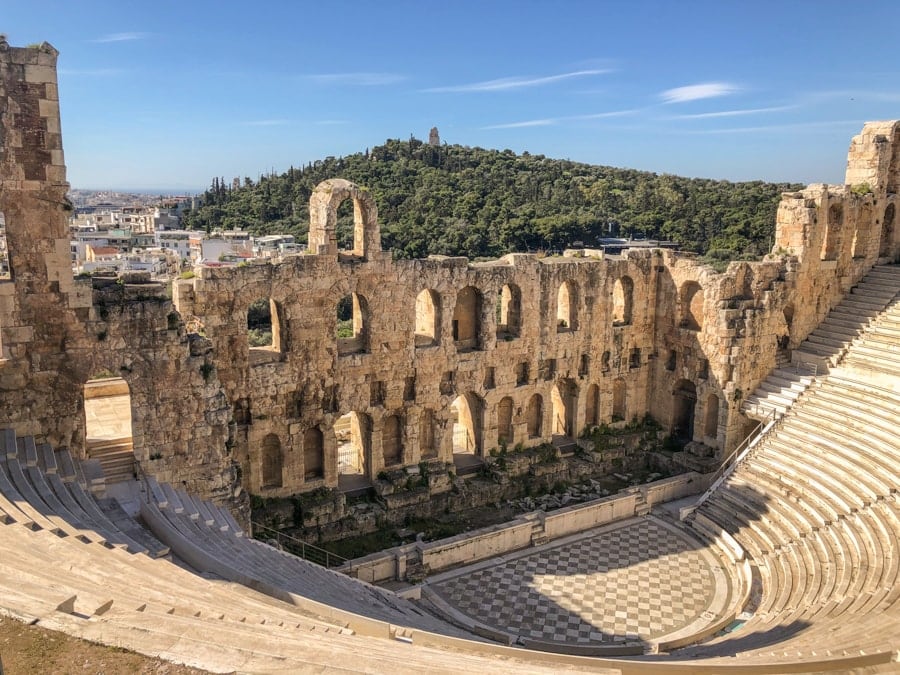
column 456, row 200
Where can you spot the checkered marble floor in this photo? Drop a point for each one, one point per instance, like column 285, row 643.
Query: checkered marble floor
column 639, row 581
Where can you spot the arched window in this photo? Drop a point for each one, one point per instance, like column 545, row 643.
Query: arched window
column 313, row 454
column 392, row 440
column 428, row 318
column 467, row 319
column 271, row 461
column 263, row 325
column 567, row 307
column 509, row 312
column 504, row 421
column 623, row 295
column 535, row 416
column 353, row 434
column 691, row 306
column 352, row 330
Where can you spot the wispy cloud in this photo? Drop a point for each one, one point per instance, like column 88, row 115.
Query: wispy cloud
column 355, row 79
column 551, row 121
column 527, row 123
column 121, row 37
column 793, row 128
column 734, row 113
column 508, row 83
column 696, row 92
column 331, row 123
column 266, row 123
column 604, row 115
column 91, row 72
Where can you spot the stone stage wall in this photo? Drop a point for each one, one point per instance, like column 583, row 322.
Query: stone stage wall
column 535, row 347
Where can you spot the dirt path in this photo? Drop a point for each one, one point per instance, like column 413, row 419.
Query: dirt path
column 32, row 649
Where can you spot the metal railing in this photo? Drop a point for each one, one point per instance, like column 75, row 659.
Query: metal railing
column 730, row 463
column 297, row 547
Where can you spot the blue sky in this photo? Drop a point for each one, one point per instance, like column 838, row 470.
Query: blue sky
column 165, row 95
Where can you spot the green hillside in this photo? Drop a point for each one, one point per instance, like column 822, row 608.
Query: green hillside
column 456, row 200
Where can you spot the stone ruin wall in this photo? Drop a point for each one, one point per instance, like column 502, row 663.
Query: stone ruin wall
column 57, row 332
column 204, row 403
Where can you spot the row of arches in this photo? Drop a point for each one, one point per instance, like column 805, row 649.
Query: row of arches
column 539, row 417
column 353, row 317
column 542, row 416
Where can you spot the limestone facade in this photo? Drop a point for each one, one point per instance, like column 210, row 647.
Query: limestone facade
column 531, row 348
column 58, row 332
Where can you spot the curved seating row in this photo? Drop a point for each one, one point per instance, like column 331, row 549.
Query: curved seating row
column 57, row 566
column 814, row 504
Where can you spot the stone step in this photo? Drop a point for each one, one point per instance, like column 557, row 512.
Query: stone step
column 826, row 340
column 96, row 448
column 875, row 365
column 790, row 379
column 776, row 396
column 887, row 330
column 815, row 349
column 874, row 289
column 861, row 309
column 872, row 300
column 850, row 318
column 770, row 386
column 835, row 331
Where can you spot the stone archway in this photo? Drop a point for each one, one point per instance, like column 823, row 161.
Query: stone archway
column 684, row 402
column 466, row 416
column 564, row 398
column 509, row 312
column 623, row 301
column 428, row 318
column 108, row 426
column 353, row 433
column 323, row 215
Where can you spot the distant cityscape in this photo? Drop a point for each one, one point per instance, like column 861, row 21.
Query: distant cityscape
column 115, row 232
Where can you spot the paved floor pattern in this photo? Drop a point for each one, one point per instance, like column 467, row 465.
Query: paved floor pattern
column 636, row 582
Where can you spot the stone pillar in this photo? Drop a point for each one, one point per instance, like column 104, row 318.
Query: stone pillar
column 33, row 192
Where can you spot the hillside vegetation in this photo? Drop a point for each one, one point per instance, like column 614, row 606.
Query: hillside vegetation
column 456, row 200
